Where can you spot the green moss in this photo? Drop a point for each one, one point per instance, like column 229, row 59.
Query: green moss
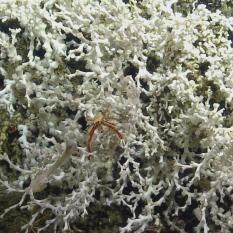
column 183, row 6
column 10, row 69
column 143, row 11
column 9, row 141
column 22, row 46
column 204, row 184
column 4, row 124
column 12, row 221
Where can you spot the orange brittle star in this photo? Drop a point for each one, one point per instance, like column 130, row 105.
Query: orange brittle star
column 98, row 121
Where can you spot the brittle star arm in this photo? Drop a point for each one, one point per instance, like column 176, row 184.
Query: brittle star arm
column 91, row 134
column 113, row 128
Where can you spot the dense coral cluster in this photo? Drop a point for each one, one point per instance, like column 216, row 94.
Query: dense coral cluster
column 165, row 79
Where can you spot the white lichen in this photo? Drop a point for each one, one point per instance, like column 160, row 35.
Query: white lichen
column 164, row 79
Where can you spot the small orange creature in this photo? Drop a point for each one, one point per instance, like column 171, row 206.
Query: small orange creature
column 98, row 121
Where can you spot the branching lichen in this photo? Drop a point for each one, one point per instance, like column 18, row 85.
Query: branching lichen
column 161, row 71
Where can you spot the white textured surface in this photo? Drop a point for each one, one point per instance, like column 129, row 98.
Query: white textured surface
column 171, row 116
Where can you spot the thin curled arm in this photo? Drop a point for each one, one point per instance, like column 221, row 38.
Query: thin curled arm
column 90, row 138
column 97, row 122
column 111, row 126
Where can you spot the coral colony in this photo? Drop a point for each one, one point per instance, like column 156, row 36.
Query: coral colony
column 157, row 84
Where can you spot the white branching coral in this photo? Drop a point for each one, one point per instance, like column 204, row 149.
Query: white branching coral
column 165, row 81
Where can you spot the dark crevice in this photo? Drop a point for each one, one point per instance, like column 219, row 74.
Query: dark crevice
column 9, row 24
column 130, row 69
column 82, row 121
column 2, row 85
column 39, row 52
column 74, row 65
column 71, row 37
column 152, row 64
column 203, row 67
